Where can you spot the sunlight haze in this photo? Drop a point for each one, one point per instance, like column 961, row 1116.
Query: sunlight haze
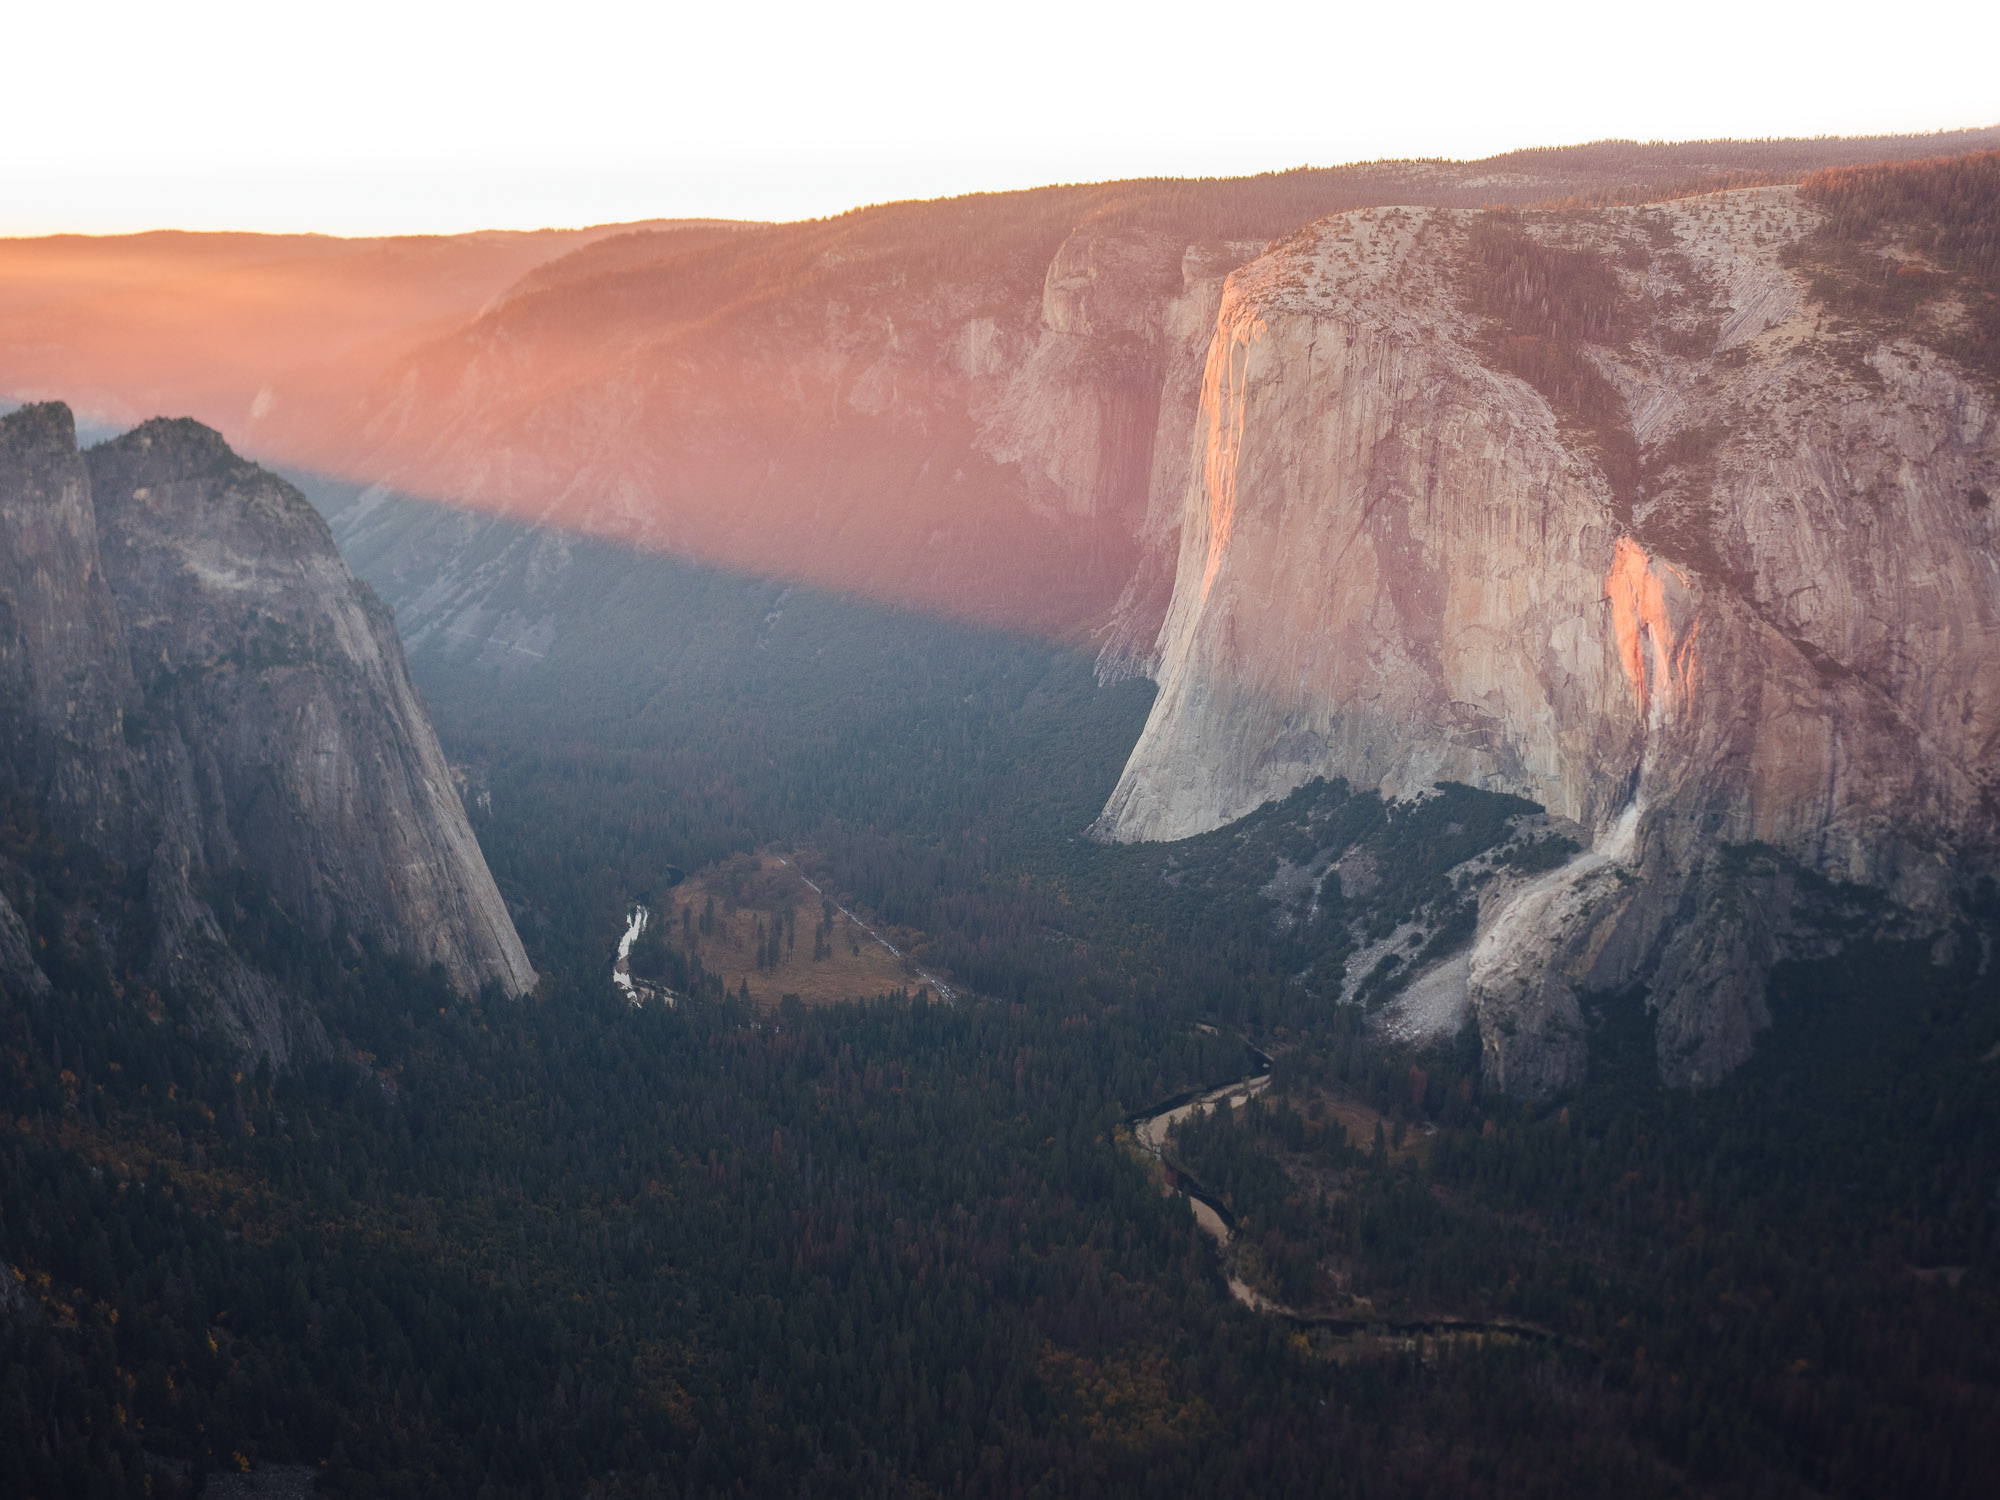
column 1037, row 751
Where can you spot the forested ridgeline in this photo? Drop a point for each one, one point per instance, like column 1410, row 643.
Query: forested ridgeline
column 657, row 275
column 1913, row 246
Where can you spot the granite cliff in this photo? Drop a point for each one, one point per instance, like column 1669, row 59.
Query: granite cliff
column 977, row 406
column 195, row 684
column 1670, row 513
column 1611, row 510
column 1653, row 513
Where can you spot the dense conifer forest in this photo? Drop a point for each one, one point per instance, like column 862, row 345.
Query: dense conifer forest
column 564, row 1246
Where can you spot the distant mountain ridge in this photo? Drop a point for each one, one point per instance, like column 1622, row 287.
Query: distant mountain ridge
column 218, row 326
column 979, row 405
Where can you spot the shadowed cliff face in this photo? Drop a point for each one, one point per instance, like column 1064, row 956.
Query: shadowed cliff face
column 310, row 755
column 1759, row 666
column 195, row 683
column 64, row 678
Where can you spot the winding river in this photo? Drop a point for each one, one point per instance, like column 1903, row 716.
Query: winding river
column 1219, row 1223
column 1210, row 1212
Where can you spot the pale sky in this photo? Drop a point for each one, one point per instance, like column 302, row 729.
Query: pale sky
column 375, row 116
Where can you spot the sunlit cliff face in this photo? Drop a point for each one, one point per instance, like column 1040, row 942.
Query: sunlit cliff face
column 1644, row 630
column 1223, row 410
column 1403, row 561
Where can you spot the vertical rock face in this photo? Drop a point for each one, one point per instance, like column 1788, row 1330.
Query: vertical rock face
column 69, row 762
column 310, row 755
column 1186, row 323
column 1335, row 606
column 19, row 973
column 1771, row 666
column 198, row 684
column 1076, row 413
column 64, row 681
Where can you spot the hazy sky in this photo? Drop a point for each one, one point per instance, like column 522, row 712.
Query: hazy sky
column 367, row 116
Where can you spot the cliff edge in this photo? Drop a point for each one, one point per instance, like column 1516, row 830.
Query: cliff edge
column 1613, row 510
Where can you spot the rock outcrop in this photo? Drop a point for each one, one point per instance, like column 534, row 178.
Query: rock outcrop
column 64, row 676
column 19, row 973
column 195, row 683
column 1747, row 633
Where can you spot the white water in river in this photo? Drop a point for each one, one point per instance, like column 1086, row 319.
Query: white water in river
column 621, row 971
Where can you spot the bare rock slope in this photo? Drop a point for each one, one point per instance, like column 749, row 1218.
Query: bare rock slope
column 1605, row 510
column 195, row 683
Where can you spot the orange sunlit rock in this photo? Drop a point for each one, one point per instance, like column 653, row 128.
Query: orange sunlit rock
column 1642, row 625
